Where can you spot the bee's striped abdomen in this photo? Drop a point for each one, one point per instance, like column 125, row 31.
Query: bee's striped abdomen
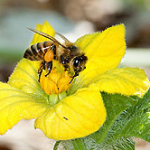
column 36, row 52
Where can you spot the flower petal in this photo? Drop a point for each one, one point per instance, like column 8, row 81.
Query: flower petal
column 46, row 28
column 75, row 116
column 25, row 77
column 104, row 51
column 16, row 105
column 126, row 81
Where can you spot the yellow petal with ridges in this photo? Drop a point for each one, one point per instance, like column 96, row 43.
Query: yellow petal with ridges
column 46, row 28
column 77, row 115
column 104, row 51
column 16, row 105
column 126, row 81
column 25, row 77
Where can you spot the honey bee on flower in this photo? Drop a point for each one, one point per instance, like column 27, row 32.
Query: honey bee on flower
column 69, row 55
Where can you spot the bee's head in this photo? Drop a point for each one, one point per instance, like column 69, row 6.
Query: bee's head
column 79, row 63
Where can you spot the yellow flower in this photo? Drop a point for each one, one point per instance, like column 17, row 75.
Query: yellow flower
column 66, row 111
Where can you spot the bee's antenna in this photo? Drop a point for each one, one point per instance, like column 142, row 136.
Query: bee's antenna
column 46, row 36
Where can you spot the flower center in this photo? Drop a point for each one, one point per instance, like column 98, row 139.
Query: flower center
column 56, row 82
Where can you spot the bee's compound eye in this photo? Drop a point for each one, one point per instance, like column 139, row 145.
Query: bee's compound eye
column 73, row 47
column 76, row 62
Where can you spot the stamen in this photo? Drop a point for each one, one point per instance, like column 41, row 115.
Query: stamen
column 55, row 82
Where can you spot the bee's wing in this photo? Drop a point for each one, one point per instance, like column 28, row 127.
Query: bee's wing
column 46, row 36
column 64, row 38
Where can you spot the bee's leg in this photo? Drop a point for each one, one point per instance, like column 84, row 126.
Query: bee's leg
column 53, row 48
column 66, row 68
column 76, row 74
column 42, row 66
column 49, row 66
column 39, row 72
column 62, row 59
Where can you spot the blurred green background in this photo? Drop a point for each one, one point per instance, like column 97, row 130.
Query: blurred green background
column 73, row 18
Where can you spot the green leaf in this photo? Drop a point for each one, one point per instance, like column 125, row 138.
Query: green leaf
column 135, row 121
column 90, row 144
column 115, row 104
column 56, row 145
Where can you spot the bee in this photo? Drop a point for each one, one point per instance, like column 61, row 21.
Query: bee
column 69, row 55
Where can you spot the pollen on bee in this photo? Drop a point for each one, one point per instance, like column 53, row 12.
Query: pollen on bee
column 49, row 56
